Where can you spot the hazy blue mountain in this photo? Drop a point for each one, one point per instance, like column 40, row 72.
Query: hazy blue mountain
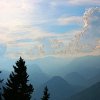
column 52, row 65
column 40, row 71
column 36, row 75
column 58, row 89
column 6, row 64
column 75, row 78
column 91, row 93
column 94, row 79
column 87, row 66
column 4, row 75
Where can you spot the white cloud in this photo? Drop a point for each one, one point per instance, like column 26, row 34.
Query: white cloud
column 84, row 2
column 16, row 26
column 14, row 13
column 75, row 2
column 70, row 20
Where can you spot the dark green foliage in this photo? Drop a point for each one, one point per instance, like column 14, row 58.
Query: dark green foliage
column 17, row 87
column 46, row 95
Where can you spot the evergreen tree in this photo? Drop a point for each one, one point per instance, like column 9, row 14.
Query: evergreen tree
column 17, row 86
column 46, row 95
column 1, row 80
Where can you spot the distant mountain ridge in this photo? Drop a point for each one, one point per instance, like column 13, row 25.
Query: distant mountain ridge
column 59, row 89
column 63, row 77
column 94, row 79
column 87, row 66
column 75, row 78
column 91, row 93
column 53, row 65
column 36, row 75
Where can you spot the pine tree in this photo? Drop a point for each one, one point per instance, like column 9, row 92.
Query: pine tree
column 17, row 86
column 1, row 80
column 46, row 95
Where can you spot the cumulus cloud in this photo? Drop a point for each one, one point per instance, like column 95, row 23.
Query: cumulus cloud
column 86, row 39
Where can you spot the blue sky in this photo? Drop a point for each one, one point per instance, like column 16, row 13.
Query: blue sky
column 39, row 28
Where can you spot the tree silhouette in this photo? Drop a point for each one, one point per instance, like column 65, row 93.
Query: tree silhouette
column 17, row 86
column 46, row 95
column 1, row 80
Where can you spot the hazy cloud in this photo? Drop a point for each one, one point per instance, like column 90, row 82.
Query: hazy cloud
column 22, row 38
column 70, row 20
column 74, row 2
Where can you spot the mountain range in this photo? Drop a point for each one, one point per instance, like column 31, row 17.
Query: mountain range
column 75, row 78
column 65, row 78
column 91, row 93
column 59, row 89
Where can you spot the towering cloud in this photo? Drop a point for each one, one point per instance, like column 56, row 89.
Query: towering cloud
column 78, row 43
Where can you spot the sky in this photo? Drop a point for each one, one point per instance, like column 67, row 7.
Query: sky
column 39, row 28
